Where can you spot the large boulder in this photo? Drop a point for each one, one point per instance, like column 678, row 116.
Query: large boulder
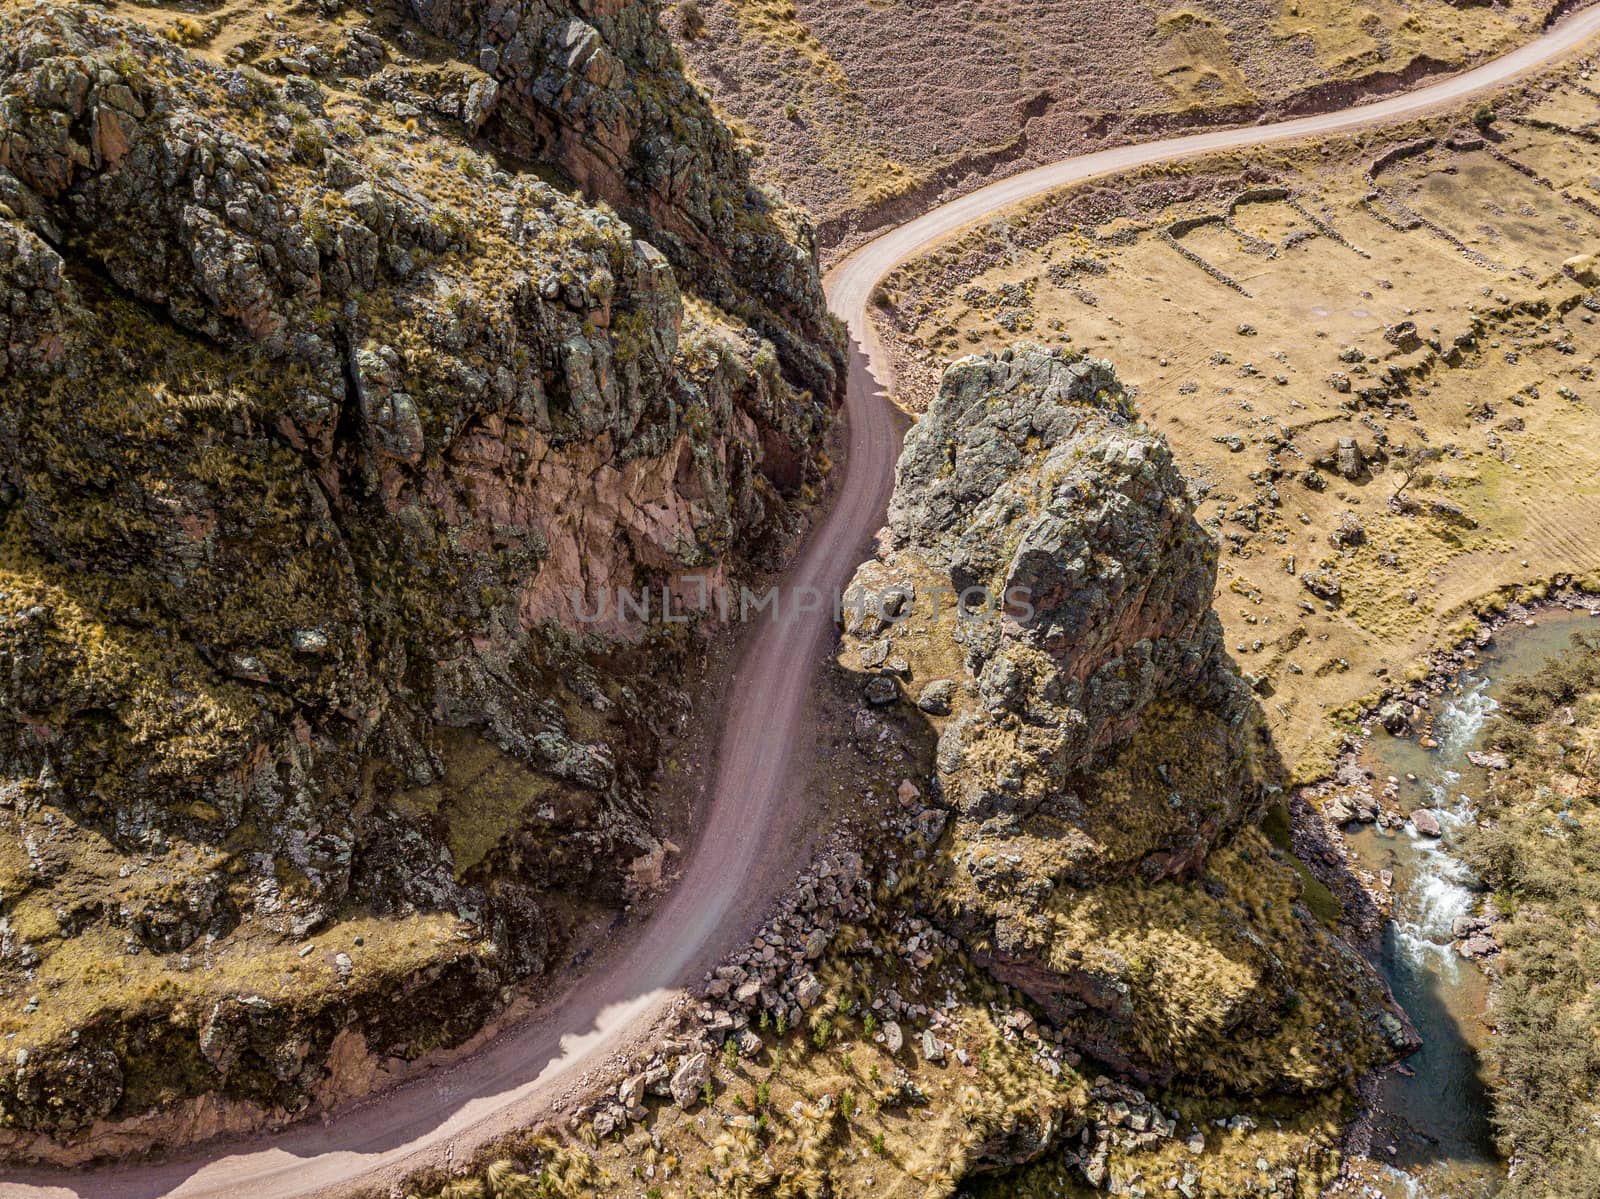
column 1103, row 765
column 690, row 1079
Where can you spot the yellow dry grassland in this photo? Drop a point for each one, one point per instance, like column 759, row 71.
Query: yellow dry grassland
column 1192, row 58
column 1348, row 38
column 1406, row 297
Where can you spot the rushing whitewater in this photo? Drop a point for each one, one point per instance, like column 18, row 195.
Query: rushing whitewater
column 1441, row 890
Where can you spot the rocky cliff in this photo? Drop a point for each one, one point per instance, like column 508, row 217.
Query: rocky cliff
column 1101, row 767
column 313, row 419
column 595, row 88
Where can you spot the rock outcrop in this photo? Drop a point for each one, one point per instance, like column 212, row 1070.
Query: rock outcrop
column 313, row 423
column 596, row 89
column 1102, row 762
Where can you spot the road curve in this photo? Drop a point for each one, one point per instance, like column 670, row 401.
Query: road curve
column 743, row 856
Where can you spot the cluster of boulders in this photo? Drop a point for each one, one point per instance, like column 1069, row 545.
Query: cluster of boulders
column 1354, row 803
column 774, row 973
column 1348, row 797
column 1122, row 1120
column 679, row 1071
column 1474, row 936
column 770, row 983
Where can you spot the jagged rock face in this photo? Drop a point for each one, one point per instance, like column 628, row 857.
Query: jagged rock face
column 1101, row 761
column 596, row 88
column 1028, row 479
column 310, row 425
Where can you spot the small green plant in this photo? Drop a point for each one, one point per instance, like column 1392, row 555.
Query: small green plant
column 708, row 1093
column 783, row 1024
column 820, row 1034
column 730, row 1053
column 764, row 1093
column 869, row 1024
column 878, row 1145
column 847, row 1104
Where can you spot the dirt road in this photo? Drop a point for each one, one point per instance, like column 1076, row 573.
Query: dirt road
column 742, row 859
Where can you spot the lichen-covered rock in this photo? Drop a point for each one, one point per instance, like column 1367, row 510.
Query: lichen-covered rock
column 1103, row 764
column 319, row 433
column 1027, row 479
column 597, row 89
column 69, row 1088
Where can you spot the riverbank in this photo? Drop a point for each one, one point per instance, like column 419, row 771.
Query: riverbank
column 1388, row 822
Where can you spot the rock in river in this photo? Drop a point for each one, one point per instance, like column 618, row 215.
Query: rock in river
column 1426, row 823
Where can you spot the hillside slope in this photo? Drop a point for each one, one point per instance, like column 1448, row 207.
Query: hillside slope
column 865, row 109
column 318, row 427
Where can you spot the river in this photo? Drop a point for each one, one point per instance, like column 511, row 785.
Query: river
column 1437, row 1121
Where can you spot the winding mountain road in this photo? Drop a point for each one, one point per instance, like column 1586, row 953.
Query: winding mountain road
column 743, row 858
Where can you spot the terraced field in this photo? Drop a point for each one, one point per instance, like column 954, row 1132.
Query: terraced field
column 1375, row 359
